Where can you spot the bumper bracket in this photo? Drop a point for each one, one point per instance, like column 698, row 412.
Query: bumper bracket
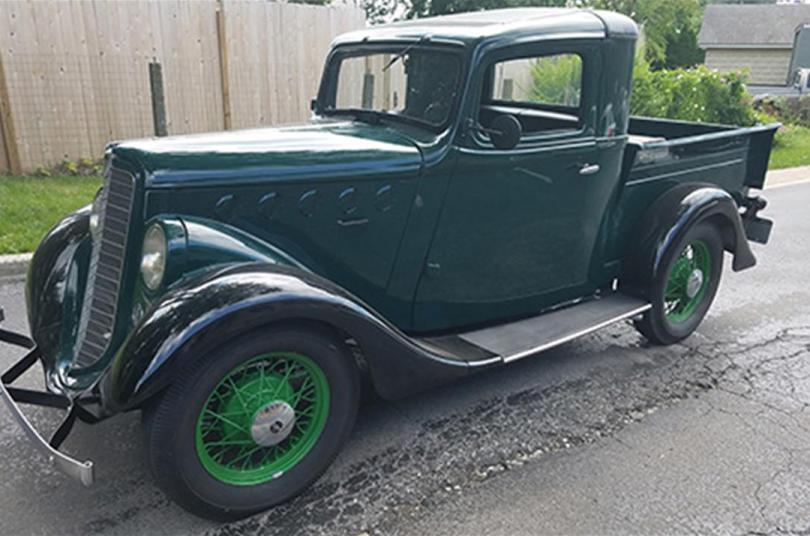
column 11, row 396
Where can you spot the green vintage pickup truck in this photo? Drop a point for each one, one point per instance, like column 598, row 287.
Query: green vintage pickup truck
column 470, row 191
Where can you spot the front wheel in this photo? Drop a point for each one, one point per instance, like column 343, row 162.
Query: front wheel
column 252, row 423
column 684, row 288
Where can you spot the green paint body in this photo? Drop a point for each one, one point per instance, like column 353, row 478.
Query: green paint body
column 434, row 229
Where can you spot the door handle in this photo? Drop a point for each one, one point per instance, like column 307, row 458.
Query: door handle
column 352, row 222
column 589, row 169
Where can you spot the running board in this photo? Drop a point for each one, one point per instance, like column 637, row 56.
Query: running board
column 516, row 340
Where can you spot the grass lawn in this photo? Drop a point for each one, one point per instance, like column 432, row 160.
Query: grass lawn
column 791, row 148
column 30, row 206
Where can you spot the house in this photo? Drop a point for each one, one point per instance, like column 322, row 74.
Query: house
column 754, row 37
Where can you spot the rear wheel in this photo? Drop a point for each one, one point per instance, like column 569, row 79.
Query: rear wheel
column 684, row 289
column 254, row 423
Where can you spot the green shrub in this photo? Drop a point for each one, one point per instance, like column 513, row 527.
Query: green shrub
column 67, row 167
column 557, row 79
column 788, row 111
column 42, row 171
column 84, row 167
column 697, row 94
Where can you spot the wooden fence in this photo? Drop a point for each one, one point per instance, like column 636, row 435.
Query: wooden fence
column 74, row 74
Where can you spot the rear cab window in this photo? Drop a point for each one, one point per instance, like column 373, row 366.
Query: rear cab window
column 544, row 92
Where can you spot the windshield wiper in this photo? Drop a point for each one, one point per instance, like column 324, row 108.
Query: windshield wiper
column 404, row 51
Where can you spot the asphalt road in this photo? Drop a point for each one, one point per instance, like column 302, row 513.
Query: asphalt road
column 601, row 435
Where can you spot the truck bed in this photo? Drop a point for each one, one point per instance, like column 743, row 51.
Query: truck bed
column 667, row 149
column 661, row 153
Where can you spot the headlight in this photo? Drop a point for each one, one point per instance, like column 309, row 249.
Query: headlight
column 95, row 212
column 153, row 262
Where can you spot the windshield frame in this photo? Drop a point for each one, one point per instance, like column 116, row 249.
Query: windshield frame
column 328, row 87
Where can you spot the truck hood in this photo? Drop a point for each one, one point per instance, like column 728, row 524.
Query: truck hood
column 321, row 150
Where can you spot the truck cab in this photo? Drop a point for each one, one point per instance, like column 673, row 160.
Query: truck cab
column 516, row 221
column 470, row 191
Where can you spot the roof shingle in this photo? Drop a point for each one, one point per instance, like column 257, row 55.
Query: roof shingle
column 770, row 25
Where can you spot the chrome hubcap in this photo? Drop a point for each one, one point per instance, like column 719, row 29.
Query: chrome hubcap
column 272, row 423
column 694, row 283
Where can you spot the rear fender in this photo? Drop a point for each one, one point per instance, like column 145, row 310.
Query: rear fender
column 217, row 306
column 665, row 222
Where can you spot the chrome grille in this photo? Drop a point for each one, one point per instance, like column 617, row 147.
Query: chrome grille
column 106, row 267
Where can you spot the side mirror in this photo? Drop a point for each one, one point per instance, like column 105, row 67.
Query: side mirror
column 505, row 131
column 314, row 107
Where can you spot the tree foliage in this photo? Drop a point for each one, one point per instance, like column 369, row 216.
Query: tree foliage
column 381, row 11
column 557, row 80
column 670, row 26
column 429, row 8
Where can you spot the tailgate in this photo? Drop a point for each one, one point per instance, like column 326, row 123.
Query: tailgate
column 759, row 152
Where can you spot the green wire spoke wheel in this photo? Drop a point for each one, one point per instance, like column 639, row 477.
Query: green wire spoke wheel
column 254, row 421
column 262, row 418
column 687, row 282
column 682, row 291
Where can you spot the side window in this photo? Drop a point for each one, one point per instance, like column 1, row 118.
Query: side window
column 543, row 92
column 553, row 79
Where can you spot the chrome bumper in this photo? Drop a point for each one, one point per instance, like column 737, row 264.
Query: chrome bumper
column 81, row 471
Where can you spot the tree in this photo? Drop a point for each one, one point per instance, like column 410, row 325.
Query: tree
column 429, row 8
column 670, row 26
column 380, row 11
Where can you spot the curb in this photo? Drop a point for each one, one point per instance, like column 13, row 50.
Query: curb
column 787, row 176
column 14, row 266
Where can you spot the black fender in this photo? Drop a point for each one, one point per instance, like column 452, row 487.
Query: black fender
column 49, row 264
column 217, row 306
column 665, row 222
column 55, row 282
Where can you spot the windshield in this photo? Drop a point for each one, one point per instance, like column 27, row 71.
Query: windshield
column 409, row 83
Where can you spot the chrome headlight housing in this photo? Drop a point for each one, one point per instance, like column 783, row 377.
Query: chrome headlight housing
column 153, row 259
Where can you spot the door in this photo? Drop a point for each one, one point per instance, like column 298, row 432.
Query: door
column 519, row 226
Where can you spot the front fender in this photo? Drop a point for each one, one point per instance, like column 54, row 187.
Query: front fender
column 668, row 218
column 50, row 263
column 55, row 287
column 206, row 312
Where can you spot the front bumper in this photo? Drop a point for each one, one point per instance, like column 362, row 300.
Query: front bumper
column 11, row 396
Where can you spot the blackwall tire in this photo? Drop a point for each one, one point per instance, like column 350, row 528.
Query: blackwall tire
column 679, row 304
column 194, row 430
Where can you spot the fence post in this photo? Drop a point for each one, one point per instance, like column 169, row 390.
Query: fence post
column 222, row 46
column 508, row 89
column 7, row 125
column 158, row 98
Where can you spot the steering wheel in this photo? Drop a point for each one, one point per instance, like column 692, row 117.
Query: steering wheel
column 436, row 111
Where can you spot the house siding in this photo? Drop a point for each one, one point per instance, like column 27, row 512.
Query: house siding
column 767, row 66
